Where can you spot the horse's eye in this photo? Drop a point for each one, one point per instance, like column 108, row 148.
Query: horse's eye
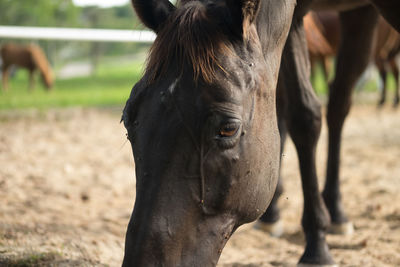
column 227, row 135
column 229, row 130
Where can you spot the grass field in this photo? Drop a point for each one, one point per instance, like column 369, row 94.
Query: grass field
column 110, row 86
column 321, row 86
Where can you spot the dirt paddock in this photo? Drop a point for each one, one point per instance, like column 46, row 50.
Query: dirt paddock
column 67, row 191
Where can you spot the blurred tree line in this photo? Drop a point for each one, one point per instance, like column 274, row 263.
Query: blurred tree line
column 63, row 13
column 38, row 13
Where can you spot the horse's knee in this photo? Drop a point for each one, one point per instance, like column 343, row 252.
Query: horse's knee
column 338, row 109
column 305, row 124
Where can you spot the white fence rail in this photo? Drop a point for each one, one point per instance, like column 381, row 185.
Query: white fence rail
column 76, row 34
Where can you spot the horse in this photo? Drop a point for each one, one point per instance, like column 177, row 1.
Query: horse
column 225, row 81
column 387, row 49
column 323, row 38
column 30, row 57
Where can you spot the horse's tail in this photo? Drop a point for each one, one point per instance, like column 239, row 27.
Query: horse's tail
column 316, row 41
column 40, row 60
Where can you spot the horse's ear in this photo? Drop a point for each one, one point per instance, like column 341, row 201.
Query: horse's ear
column 153, row 13
column 244, row 13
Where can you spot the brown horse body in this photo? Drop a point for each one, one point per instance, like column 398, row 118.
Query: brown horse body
column 30, row 57
column 323, row 39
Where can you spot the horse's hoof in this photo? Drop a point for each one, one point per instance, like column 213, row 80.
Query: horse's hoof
column 274, row 229
column 346, row 228
column 316, row 265
column 380, row 103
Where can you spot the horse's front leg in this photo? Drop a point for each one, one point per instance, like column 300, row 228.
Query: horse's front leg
column 31, row 80
column 357, row 27
column 304, row 125
column 382, row 73
column 5, row 77
column 395, row 71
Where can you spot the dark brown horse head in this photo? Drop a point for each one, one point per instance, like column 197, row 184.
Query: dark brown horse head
column 202, row 125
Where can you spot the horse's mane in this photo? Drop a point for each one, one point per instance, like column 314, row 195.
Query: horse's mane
column 41, row 63
column 190, row 36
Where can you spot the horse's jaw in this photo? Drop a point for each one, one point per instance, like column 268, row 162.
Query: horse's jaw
column 200, row 245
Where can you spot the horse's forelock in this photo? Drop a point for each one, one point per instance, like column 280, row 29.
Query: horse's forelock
column 190, row 36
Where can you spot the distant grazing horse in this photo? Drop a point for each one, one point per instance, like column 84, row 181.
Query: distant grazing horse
column 203, row 123
column 30, row 57
column 323, row 38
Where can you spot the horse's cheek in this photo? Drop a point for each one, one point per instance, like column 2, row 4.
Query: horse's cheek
column 262, row 179
column 262, row 153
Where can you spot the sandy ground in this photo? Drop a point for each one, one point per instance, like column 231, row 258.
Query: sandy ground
column 67, row 191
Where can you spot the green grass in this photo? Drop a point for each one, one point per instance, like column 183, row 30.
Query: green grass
column 319, row 82
column 321, row 87
column 111, row 85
